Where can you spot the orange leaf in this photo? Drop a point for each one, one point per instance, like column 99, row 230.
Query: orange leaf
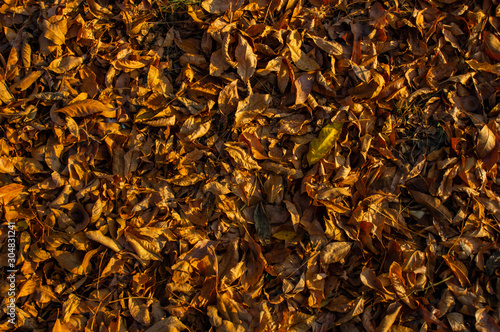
column 85, row 108
column 10, row 192
column 492, row 45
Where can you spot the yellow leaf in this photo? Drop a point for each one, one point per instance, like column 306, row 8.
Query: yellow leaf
column 320, row 146
column 284, row 235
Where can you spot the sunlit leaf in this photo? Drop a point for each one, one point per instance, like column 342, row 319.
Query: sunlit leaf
column 325, row 141
column 492, row 45
column 335, row 252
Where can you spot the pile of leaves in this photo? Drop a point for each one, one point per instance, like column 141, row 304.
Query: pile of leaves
column 251, row 165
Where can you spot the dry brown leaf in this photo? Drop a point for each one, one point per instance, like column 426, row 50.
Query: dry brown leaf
column 242, row 158
column 458, row 269
column 246, row 59
column 229, row 98
column 169, row 324
column 102, row 239
column 484, row 322
column 390, row 317
column 28, row 165
column 492, row 45
column 55, row 29
column 216, row 6
column 10, row 192
column 299, row 57
column 64, row 64
column 330, row 47
column 139, row 310
column 262, row 224
column 486, row 142
column 5, row 94
column 304, row 85
column 85, row 108
column 26, row 82
column 432, row 203
column 335, row 252
column 249, row 108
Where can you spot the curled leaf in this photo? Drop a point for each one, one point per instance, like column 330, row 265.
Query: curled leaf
column 485, row 142
column 492, row 45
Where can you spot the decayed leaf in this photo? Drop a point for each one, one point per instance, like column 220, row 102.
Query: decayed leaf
column 262, row 224
column 27, row 81
column 492, row 263
column 432, row 203
column 250, row 107
column 139, row 310
column 218, row 63
column 294, row 214
column 325, row 141
column 362, row 73
column 484, row 322
column 27, row 288
column 215, row 319
column 69, row 307
column 335, row 252
column 399, row 284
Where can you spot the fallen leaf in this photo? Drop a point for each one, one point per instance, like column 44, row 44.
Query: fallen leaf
column 335, row 252
column 492, row 45
column 325, row 141
column 304, row 85
column 262, row 224
column 102, row 239
column 10, row 192
column 246, row 59
column 216, row 6
column 486, row 142
column 85, row 108
column 64, row 64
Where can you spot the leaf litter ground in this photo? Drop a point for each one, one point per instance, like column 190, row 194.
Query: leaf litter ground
column 251, row 166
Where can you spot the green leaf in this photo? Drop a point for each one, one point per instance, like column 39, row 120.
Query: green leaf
column 320, row 146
